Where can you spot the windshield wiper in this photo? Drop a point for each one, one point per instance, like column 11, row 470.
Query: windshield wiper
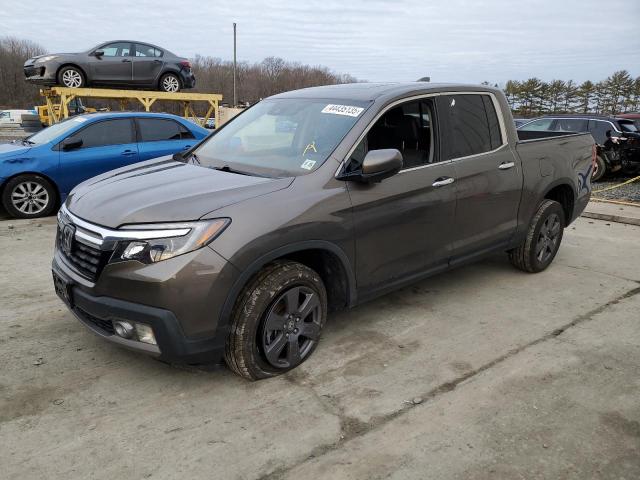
column 227, row 168
column 27, row 142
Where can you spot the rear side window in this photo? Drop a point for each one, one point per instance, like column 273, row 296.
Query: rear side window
column 109, row 132
column 156, row 130
column 541, row 125
column 147, row 51
column 599, row 129
column 470, row 127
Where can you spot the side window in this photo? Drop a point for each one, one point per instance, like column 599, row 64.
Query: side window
column 147, row 51
column 494, row 125
column 467, row 127
column 407, row 128
column 119, row 49
column 154, row 130
column 109, row 132
column 570, row 125
column 598, row 130
column 540, row 125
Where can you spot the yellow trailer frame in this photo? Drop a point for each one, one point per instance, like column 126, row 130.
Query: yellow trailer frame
column 58, row 99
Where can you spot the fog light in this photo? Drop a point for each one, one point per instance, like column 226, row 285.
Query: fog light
column 123, row 329
column 145, row 333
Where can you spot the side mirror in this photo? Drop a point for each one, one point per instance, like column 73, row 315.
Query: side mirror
column 376, row 166
column 71, row 143
column 98, row 53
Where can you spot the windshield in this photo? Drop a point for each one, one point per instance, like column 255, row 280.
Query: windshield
column 280, row 137
column 628, row 126
column 54, row 131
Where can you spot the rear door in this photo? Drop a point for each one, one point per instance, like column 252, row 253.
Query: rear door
column 147, row 64
column 488, row 175
column 106, row 145
column 403, row 224
column 162, row 136
column 114, row 66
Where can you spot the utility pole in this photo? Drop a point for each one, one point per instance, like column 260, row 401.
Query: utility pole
column 235, row 100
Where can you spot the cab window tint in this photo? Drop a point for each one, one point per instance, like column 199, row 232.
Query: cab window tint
column 109, row 132
column 599, row 129
column 154, row 130
column 119, row 49
column 468, row 130
column 407, row 128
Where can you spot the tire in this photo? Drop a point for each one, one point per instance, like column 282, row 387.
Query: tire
column 283, row 293
column 543, row 239
column 600, row 169
column 169, row 82
column 29, row 196
column 71, row 77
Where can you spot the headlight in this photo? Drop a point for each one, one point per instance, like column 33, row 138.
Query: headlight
column 46, row 58
column 173, row 239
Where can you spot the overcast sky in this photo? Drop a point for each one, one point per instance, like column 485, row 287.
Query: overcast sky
column 376, row 40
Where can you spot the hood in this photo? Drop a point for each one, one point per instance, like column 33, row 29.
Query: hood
column 32, row 60
column 163, row 190
column 10, row 150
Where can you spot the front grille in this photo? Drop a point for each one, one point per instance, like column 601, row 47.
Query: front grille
column 104, row 326
column 87, row 260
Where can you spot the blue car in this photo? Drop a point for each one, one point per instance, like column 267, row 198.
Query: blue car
column 37, row 174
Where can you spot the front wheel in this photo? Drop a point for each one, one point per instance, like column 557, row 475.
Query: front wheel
column 170, row 83
column 277, row 321
column 71, row 77
column 29, row 196
column 543, row 239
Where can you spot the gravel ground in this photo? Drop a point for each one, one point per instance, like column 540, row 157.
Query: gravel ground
column 629, row 192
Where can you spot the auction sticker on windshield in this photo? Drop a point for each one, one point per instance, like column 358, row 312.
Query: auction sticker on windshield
column 343, row 110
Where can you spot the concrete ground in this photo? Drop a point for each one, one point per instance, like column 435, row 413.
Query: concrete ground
column 481, row 373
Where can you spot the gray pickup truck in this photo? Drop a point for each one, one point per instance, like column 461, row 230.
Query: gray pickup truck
column 310, row 201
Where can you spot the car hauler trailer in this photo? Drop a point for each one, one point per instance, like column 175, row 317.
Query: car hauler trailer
column 58, row 100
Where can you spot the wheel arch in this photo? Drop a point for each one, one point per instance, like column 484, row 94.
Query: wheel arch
column 326, row 258
column 563, row 193
column 166, row 71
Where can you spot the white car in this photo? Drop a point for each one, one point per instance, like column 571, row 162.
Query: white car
column 16, row 117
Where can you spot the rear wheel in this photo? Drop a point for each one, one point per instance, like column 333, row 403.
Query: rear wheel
column 543, row 239
column 29, row 196
column 599, row 169
column 170, row 82
column 71, row 77
column 277, row 321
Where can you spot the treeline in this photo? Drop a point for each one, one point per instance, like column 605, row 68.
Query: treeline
column 259, row 80
column 14, row 91
column 616, row 94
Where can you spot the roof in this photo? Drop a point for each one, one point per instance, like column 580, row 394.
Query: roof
column 103, row 115
column 373, row 91
column 583, row 116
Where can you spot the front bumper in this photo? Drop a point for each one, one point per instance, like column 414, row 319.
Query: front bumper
column 41, row 73
column 179, row 298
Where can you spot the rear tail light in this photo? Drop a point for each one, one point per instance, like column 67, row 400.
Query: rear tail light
column 185, row 64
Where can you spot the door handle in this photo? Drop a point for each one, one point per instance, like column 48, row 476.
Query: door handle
column 506, row 165
column 126, row 60
column 129, row 152
column 442, row 181
column 158, row 61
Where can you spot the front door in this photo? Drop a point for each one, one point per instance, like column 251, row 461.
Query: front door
column 106, row 145
column 403, row 225
column 488, row 175
column 114, row 66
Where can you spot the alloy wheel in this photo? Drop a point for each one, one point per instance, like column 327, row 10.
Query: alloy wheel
column 30, row 198
column 71, row 78
column 291, row 327
column 548, row 238
column 170, row 84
